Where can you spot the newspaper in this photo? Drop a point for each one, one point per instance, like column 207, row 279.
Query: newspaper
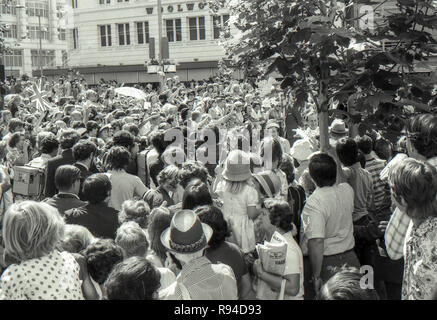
column 272, row 255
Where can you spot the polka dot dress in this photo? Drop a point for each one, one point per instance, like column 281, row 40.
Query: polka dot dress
column 52, row 277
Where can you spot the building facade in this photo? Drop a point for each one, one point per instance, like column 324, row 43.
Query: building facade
column 27, row 21
column 113, row 39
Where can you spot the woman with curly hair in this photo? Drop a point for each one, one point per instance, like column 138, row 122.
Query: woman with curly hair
column 278, row 217
column 135, row 210
column 168, row 182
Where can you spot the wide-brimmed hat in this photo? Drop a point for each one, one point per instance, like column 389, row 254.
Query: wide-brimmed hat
column 237, row 166
column 272, row 124
column 338, row 127
column 269, row 181
column 186, row 233
column 301, row 150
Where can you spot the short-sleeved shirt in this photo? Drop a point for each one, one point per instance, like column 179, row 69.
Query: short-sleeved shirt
column 52, row 277
column 125, row 186
column 328, row 215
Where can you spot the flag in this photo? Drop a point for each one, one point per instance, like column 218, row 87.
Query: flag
column 38, row 96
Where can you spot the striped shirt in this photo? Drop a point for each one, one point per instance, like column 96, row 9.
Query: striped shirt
column 203, row 281
column 381, row 189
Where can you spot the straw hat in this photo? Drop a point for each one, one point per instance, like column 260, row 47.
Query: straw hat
column 237, row 166
column 301, row 150
column 338, row 127
column 186, row 233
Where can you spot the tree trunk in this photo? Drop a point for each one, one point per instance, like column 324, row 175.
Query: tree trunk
column 324, row 131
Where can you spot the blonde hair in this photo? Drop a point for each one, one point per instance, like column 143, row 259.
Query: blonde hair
column 235, row 186
column 132, row 239
column 31, row 230
column 76, row 238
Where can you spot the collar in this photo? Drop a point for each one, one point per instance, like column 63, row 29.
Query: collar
column 194, row 265
column 45, row 156
column 67, row 195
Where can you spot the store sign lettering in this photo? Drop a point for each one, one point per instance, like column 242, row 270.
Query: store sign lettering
column 179, row 8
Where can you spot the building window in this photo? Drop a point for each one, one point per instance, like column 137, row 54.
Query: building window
column 8, row 8
column 123, row 34
column 104, row 1
column 143, row 32
column 35, row 33
column 75, row 37
column 197, row 28
column 74, row 4
column 37, row 9
column 11, row 32
column 219, row 24
column 105, row 36
column 61, row 34
column 122, row 0
column 47, row 58
column 174, row 29
column 14, row 58
column 64, row 58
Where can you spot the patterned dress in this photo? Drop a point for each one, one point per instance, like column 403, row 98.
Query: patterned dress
column 420, row 271
column 52, row 277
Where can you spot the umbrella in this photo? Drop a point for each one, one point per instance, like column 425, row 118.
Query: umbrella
column 131, row 92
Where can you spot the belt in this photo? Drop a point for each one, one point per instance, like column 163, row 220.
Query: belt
column 337, row 254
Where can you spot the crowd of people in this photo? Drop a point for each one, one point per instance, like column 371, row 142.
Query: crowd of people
column 168, row 197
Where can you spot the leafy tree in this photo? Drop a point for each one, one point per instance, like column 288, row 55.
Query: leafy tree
column 324, row 53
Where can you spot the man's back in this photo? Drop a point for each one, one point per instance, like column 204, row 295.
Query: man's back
column 203, row 281
column 381, row 190
column 66, row 157
column 64, row 202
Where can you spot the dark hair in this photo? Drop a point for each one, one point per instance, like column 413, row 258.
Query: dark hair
column 191, row 170
column 196, row 194
column 83, row 150
column 158, row 141
column 15, row 123
column 213, row 217
column 380, row 148
column 68, row 139
column 78, row 124
column 118, row 158
column 362, row 159
column 276, row 149
column 133, row 279
column 14, row 139
column 287, row 167
column 91, row 125
column 365, row 144
column 323, row 170
column 48, row 144
column 96, row 188
column 123, row 138
column 347, row 151
column 346, row 285
column 132, row 128
column 160, row 219
column 65, row 176
column 101, row 256
column 422, row 131
column 280, row 214
column 119, row 114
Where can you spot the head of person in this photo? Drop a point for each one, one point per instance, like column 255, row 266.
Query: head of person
column 118, row 158
column 15, row 125
column 196, row 194
column 67, row 179
column 271, row 152
column 76, row 238
column 97, row 188
column 135, row 210
column 287, row 167
column 323, row 170
column 187, row 237
column 101, row 256
column 105, row 133
column 346, row 285
column 365, row 144
column 191, row 170
column 16, row 140
column 133, row 279
column 31, row 230
column 173, row 155
column 422, row 136
column 277, row 215
column 383, row 149
column 159, row 142
column 92, row 127
column 84, row 150
column 132, row 239
column 414, row 187
column 168, row 178
column 347, row 151
column 49, row 145
column 236, row 173
column 68, row 138
column 213, row 216
column 125, row 139
column 160, row 218
column 273, row 127
column 5, row 116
